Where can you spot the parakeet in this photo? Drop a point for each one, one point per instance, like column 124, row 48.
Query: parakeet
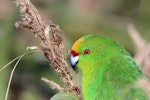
column 108, row 70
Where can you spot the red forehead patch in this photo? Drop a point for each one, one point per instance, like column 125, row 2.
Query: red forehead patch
column 74, row 53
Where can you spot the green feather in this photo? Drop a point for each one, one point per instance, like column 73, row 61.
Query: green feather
column 108, row 72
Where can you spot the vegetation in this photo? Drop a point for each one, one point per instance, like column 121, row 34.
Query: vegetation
column 76, row 18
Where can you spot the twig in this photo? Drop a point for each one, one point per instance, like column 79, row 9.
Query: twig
column 145, row 85
column 10, row 78
column 12, row 72
column 53, row 43
column 47, row 30
column 16, row 58
column 142, row 56
column 53, row 85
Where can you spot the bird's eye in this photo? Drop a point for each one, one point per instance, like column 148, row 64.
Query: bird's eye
column 86, row 51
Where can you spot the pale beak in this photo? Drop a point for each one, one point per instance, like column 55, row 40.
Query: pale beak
column 74, row 62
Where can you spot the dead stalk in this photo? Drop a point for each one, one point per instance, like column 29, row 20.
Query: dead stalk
column 52, row 44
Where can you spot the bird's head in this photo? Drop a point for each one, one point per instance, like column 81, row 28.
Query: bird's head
column 92, row 50
column 75, row 52
column 81, row 52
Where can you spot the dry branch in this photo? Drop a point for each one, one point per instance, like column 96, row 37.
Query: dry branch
column 53, row 43
column 53, row 85
column 142, row 56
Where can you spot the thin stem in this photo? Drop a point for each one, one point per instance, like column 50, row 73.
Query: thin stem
column 11, row 75
column 5, row 66
column 12, row 72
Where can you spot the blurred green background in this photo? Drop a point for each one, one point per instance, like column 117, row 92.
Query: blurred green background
column 77, row 18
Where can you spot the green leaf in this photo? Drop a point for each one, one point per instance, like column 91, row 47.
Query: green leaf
column 64, row 96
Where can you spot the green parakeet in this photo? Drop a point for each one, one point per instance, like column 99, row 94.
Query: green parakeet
column 108, row 71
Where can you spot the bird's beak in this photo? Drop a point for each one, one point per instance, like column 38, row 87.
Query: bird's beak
column 74, row 62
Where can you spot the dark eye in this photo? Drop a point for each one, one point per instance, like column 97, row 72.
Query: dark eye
column 86, row 51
